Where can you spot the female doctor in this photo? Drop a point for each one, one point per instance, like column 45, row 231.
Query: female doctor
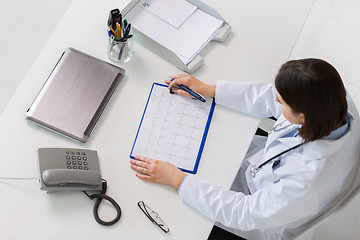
column 307, row 163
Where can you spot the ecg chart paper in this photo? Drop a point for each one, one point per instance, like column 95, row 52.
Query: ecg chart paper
column 173, row 128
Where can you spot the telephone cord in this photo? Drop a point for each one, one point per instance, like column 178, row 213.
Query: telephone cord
column 16, row 178
column 99, row 197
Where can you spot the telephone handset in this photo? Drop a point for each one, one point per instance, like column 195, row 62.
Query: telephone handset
column 69, row 169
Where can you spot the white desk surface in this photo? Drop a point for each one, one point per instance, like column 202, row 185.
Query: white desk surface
column 263, row 35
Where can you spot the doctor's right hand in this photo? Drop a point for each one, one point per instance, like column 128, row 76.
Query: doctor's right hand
column 191, row 82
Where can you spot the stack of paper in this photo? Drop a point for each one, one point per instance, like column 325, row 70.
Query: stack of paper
column 176, row 24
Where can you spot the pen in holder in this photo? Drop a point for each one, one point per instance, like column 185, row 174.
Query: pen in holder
column 120, row 50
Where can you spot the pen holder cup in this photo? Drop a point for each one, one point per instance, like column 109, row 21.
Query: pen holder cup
column 120, row 50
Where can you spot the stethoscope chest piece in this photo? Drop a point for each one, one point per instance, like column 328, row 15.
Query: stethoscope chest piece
column 254, row 170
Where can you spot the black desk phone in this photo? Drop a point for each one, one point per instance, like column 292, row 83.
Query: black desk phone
column 75, row 169
column 69, row 169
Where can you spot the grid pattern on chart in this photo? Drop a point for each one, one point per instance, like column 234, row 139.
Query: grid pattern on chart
column 172, row 128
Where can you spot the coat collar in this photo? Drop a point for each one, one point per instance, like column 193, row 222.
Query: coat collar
column 281, row 128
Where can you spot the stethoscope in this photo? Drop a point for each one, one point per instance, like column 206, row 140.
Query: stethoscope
column 255, row 169
column 278, row 126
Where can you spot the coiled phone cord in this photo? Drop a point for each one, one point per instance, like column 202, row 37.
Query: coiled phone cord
column 100, row 196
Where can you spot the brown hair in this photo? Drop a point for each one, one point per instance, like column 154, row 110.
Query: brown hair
column 313, row 87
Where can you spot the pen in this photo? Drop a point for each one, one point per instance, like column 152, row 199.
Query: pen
column 125, row 38
column 127, row 30
column 123, row 45
column 121, row 51
column 192, row 93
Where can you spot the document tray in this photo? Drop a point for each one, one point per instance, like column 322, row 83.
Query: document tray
column 169, row 55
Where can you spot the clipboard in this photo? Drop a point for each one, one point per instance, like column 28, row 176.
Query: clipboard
column 169, row 55
column 173, row 128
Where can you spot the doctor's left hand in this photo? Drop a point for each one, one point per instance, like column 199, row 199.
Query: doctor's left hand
column 157, row 171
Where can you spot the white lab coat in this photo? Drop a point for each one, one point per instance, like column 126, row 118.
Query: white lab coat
column 305, row 183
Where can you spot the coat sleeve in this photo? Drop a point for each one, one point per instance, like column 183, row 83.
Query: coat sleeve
column 257, row 99
column 273, row 206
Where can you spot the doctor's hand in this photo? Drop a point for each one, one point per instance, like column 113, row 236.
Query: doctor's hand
column 191, row 82
column 157, row 171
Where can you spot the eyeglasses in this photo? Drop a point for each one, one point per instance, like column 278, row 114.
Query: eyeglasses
column 153, row 216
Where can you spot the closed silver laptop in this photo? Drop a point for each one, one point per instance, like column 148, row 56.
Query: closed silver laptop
column 75, row 94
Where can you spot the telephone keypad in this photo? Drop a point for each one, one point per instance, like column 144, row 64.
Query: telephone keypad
column 76, row 160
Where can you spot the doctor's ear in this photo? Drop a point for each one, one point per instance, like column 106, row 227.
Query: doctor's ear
column 301, row 118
